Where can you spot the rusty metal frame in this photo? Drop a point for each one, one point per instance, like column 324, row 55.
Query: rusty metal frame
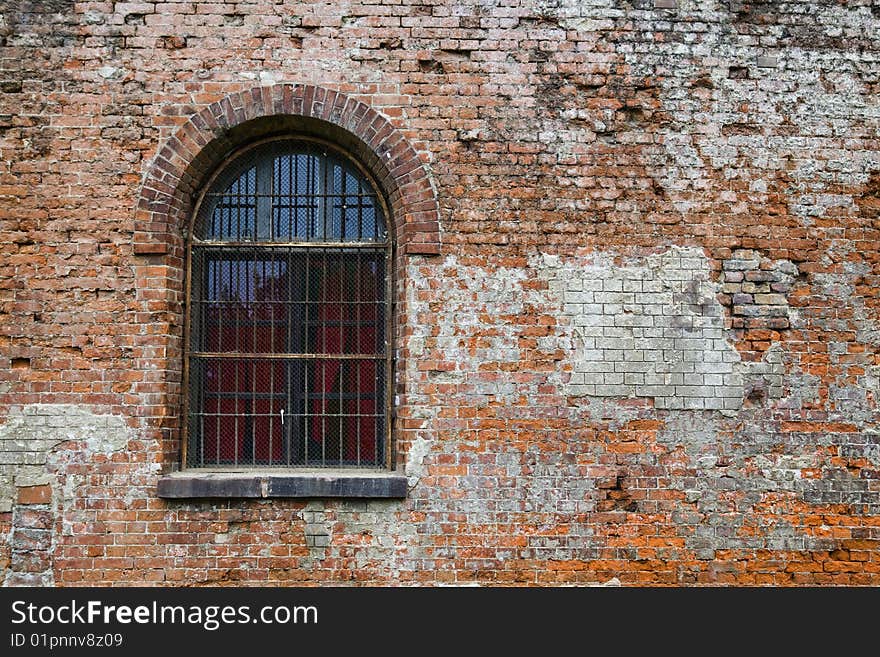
column 387, row 246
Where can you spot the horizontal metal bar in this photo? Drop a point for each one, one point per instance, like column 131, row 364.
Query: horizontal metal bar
column 248, row 394
column 292, row 304
column 274, row 323
column 215, row 483
column 264, row 356
column 350, row 246
column 314, row 396
column 290, row 194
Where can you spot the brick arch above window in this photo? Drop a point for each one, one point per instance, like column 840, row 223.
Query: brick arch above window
column 183, row 164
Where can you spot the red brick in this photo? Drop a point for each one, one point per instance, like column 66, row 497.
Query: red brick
column 35, row 494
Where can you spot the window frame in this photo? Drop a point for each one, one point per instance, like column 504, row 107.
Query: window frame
column 330, row 151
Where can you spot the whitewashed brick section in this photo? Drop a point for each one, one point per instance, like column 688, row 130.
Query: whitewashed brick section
column 474, row 297
column 29, row 434
column 633, row 327
column 646, row 327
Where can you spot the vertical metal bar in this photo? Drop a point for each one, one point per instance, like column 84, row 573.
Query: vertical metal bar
column 359, row 284
column 311, row 345
column 201, row 416
column 253, row 413
column 252, row 318
column 377, row 214
column 269, row 297
column 360, row 209
column 323, row 311
column 307, row 192
column 201, row 338
column 273, row 174
column 344, row 337
column 227, row 213
column 218, row 420
column 379, row 394
column 251, row 305
column 264, row 199
column 307, row 411
column 312, row 228
column 343, row 201
column 289, row 314
column 221, row 310
column 237, row 367
column 198, row 419
column 291, row 199
column 294, row 198
column 377, row 408
column 303, row 339
column 323, row 195
column 270, row 294
column 230, row 303
column 323, row 437
column 386, row 310
column 271, row 456
column 340, row 412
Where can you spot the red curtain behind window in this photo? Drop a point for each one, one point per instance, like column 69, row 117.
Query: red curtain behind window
column 348, row 326
column 244, row 396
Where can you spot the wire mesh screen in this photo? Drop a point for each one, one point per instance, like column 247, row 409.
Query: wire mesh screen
column 288, row 362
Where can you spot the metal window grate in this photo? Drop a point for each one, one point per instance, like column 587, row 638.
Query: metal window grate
column 288, row 363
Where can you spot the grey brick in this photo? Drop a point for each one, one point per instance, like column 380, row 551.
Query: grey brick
column 614, row 391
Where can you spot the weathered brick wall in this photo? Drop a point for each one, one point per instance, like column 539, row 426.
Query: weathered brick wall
column 641, row 343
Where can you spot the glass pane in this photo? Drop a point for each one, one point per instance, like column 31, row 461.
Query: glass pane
column 234, row 209
column 291, row 192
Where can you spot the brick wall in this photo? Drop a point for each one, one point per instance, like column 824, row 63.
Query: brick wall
column 636, row 286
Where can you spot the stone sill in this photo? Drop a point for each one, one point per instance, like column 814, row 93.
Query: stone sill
column 201, row 483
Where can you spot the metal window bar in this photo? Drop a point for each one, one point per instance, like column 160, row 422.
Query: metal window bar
column 334, row 364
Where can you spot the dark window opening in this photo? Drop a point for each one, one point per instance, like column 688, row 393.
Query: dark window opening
column 288, row 360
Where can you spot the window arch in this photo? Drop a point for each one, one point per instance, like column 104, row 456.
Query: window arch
column 288, row 360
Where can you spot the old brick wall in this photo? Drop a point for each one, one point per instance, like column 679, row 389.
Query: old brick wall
column 640, row 346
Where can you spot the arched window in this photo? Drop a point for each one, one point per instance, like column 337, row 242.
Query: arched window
column 288, row 358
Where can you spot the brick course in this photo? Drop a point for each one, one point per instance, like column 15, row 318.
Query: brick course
column 636, row 286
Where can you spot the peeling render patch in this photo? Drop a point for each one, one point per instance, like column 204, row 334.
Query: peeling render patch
column 717, row 139
column 371, row 533
column 841, row 287
column 415, row 460
column 318, row 529
column 28, row 488
column 443, row 330
column 32, row 432
column 734, row 474
column 764, row 379
column 647, row 327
